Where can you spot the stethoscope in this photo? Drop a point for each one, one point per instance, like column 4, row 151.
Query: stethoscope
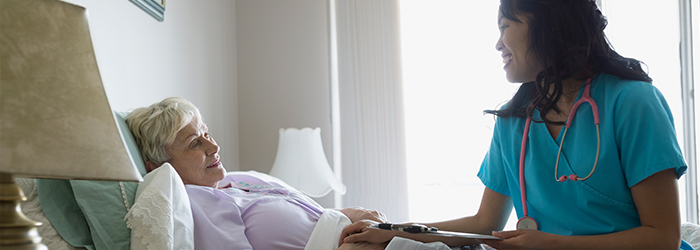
column 527, row 222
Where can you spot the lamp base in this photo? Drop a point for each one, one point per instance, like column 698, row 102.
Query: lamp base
column 16, row 230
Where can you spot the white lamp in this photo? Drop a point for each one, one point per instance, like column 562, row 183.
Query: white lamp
column 55, row 119
column 301, row 163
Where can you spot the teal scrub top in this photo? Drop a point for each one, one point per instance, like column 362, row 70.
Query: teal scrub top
column 638, row 139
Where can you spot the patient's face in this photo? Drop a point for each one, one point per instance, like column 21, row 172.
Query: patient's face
column 195, row 155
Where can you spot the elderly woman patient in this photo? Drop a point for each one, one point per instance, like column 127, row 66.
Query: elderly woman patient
column 228, row 213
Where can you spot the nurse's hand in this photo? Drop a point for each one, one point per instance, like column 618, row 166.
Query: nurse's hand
column 358, row 232
column 521, row 239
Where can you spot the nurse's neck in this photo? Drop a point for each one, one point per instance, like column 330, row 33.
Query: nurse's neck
column 570, row 89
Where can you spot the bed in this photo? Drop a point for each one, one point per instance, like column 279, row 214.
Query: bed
column 153, row 214
column 160, row 219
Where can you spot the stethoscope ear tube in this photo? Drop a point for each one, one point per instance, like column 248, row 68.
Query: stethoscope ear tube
column 574, row 177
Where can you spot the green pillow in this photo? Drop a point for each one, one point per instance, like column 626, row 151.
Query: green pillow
column 91, row 214
column 63, row 212
column 130, row 142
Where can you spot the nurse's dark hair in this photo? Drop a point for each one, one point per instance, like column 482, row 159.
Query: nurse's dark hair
column 567, row 35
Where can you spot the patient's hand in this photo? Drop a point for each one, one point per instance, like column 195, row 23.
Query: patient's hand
column 358, row 232
column 361, row 246
column 359, row 213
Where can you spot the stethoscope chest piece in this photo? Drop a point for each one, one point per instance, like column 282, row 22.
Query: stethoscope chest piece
column 526, row 223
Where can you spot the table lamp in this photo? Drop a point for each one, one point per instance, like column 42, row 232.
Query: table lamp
column 301, row 163
column 55, row 119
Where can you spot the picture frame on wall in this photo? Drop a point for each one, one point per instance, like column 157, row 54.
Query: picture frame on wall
column 155, row 8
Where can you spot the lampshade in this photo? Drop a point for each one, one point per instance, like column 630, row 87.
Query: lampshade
column 55, row 119
column 301, row 163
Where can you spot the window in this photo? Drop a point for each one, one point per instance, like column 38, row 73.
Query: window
column 649, row 31
column 452, row 72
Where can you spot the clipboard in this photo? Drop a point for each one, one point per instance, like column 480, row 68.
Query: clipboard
column 420, row 229
column 463, row 235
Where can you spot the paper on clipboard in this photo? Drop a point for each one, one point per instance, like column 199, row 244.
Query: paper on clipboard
column 463, row 235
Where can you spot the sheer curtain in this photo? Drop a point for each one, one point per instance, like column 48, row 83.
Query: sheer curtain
column 371, row 106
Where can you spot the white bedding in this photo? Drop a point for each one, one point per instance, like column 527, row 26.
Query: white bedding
column 326, row 235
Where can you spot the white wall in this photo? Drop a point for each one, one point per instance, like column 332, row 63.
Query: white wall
column 190, row 54
column 283, row 76
column 251, row 66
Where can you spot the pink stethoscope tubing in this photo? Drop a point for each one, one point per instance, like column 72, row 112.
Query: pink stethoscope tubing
column 527, row 222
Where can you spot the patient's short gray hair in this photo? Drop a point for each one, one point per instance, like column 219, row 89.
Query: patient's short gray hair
column 156, row 126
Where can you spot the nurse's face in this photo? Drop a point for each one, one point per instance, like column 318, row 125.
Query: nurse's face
column 195, row 155
column 514, row 45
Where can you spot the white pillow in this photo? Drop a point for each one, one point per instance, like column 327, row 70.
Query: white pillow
column 161, row 217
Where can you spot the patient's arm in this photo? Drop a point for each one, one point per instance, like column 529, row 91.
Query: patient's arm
column 356, row 214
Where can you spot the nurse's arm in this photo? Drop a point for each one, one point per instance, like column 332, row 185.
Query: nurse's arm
column 656, row 199
column 492, row 215
column 657, row 202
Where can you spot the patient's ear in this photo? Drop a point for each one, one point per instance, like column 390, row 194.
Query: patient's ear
column 150, row 166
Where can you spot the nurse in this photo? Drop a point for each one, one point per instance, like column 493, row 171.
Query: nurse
column 601, row 174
